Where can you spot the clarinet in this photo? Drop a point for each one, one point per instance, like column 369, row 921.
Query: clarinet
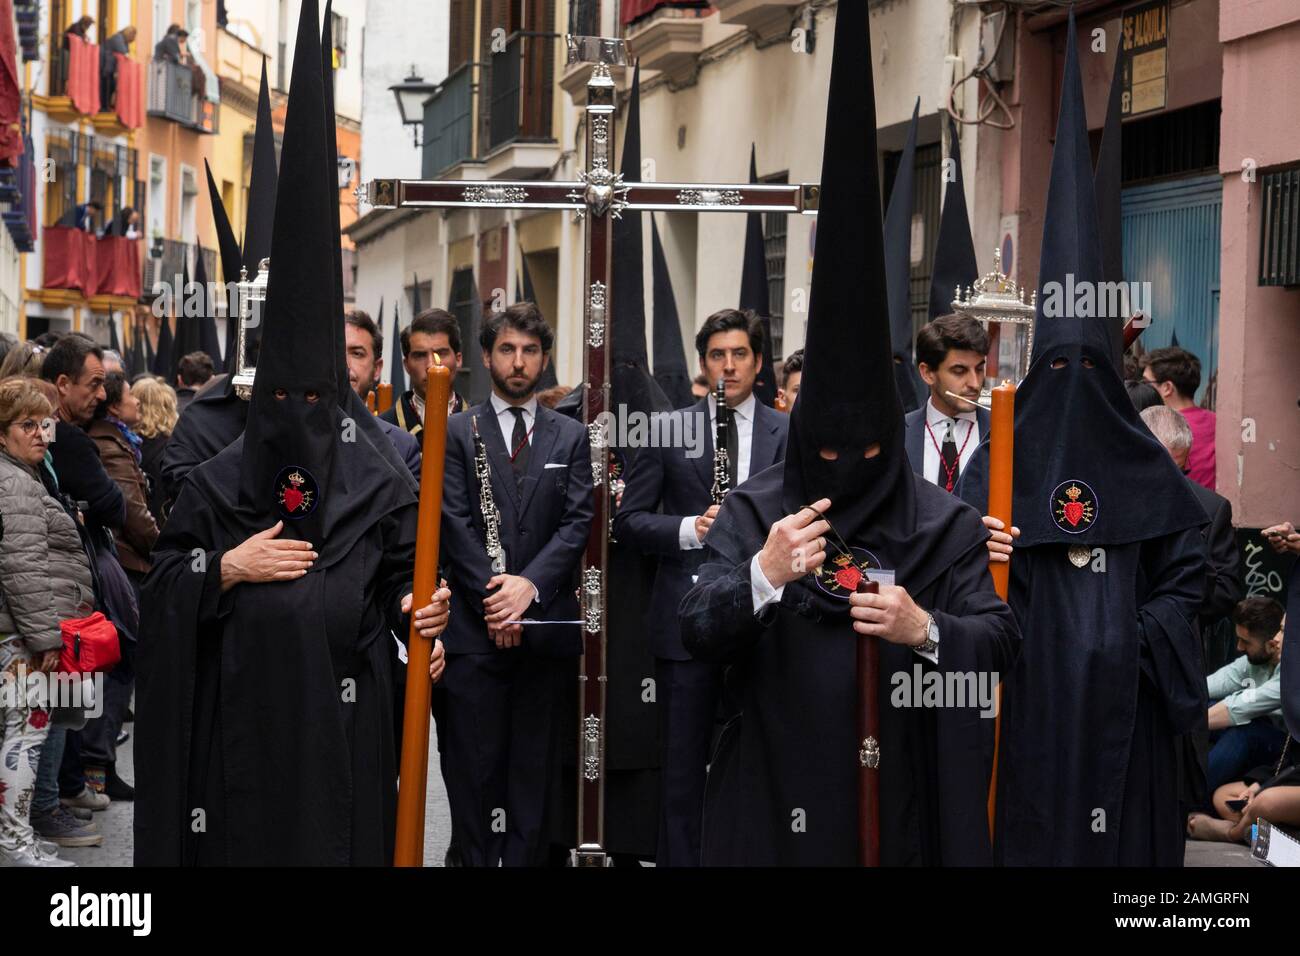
column 721, row 460
column 487, row 503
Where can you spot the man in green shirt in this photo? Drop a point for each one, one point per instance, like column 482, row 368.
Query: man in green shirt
column 1245, row 719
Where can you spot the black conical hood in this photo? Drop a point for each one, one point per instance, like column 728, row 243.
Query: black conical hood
column 209, row 341
column 161, row 363
column 397, row 374
column 898, row 271
column 670, row 355
column 186, row 339
column 148, row 348
column 332, row 199
column 480, row 381
column 113, row 342
column 262, row 186
column 848, row 401
column 231, row 263
column 139, row 363
column 954, row 254
column 1108, row 184
column 628, row 268
column 755, row 295
column 528, row 293
column 416, row 305
column 1081, row 452
column 632, row 386
column 291, row 435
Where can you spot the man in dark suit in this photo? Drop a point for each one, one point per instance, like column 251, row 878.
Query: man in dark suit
column 942, row 434
column 365, row 355
column 504, row 680
column 432, row 332
column 667, row 510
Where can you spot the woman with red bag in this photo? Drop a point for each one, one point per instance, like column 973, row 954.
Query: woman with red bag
column 44, row 579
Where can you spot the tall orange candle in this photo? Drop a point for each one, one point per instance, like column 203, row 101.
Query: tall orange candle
column 415, row 718
column 1002, row 433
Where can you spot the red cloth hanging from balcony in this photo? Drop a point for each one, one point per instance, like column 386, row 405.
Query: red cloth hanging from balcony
column 11, row 136
column 636, row 9
column 83, row 75
column 130, row 91
column 69, row 259
column 118, row 265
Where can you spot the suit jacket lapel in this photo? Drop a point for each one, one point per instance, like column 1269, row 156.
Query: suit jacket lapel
column 762, row 453
column 704, row 464
column 545, row 432
column 914, row 438
column 503, row 474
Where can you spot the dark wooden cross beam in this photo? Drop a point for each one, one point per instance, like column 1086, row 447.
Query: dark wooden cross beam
column 599, row 197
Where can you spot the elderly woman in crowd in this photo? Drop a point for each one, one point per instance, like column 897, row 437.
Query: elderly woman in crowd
column 158, row 417
column 44, row 579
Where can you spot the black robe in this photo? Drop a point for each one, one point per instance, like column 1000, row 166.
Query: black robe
column 1110, row 673
column 207, row 426
column 783, row 783
column 269, row 707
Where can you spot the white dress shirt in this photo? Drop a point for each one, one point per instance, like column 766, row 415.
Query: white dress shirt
column 763, row 594
column 965, row 434
column 506, row 419
column 742, row 419
column 418, row 404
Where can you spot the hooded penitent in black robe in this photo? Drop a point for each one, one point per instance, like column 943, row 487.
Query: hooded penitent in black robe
column 783, row 783
column 1110, row 670
column 268, row 708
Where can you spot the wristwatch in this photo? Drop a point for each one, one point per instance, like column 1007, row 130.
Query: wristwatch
column 931, row 637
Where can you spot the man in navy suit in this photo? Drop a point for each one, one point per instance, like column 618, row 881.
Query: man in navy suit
column 504, row 680
column 667, row 510
column 942, row 434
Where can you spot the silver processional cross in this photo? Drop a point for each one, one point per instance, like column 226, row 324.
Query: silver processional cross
column 598, row 197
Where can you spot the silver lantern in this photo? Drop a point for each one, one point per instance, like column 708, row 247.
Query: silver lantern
column 996, row 300
column 252, row 309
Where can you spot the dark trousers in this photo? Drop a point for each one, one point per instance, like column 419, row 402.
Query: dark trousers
column 1235, row 750
column 688, row 693
column 499, row 752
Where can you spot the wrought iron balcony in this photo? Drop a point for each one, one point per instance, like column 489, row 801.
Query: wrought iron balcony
column 523, row 90
column 172, row 96
column 449, row 123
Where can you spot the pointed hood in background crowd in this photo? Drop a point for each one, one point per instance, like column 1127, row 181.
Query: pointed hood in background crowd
column 898, row 271
column 671, row 368
column 954, row 254
column 755, row 294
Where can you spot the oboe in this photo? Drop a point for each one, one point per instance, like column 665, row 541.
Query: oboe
column 721, row 460
column 488, row 504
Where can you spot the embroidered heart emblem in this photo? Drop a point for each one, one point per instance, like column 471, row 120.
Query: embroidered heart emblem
column 848, row 578
column 1074, row 512
column 292, row 498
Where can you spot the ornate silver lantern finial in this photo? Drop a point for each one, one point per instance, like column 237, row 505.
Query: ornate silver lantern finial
column 252, row 307
column 995, row 298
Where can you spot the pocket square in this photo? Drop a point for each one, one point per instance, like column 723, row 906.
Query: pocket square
column 549, row 466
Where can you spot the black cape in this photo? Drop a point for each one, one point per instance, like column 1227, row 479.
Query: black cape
column 1109, row 674
column 207, row 427
column 783, row 784
column 269, row 707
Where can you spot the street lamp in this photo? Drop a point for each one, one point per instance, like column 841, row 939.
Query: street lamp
column 412, row 93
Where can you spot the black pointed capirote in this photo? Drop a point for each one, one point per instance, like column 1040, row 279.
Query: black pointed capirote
column 954, row 254
column 898, row 270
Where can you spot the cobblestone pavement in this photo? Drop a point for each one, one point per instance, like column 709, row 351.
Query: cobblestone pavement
column 115, row 823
